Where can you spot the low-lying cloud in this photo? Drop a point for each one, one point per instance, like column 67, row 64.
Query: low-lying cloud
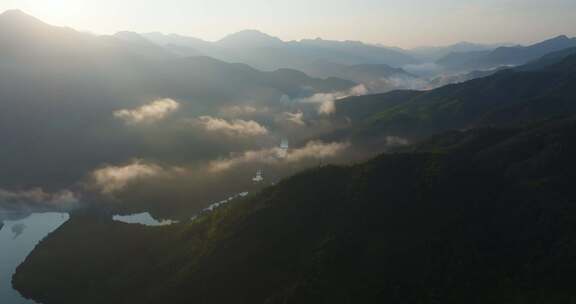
column 149, row 113
column 326, row 101
column 296, row 118
column 235, row 127
column 38, row 197
column 111, row 179
column 316, row 150
column 312, row 150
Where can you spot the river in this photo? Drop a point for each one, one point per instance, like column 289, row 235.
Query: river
column 17, row 239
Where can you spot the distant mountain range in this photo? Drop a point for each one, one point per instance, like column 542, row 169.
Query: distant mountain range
column 538, row 90
column 64, row 85
column 323, row 58
column 505, row 56
column 374, row 66
column 432, row 54
column 310, row 50
column 247, row 46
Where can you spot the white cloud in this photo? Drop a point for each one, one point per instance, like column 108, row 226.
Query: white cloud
column 296, row 118
column 326, row 101
column 316, row 150
column 149, row 113
column 312, row 150
column 112, row 179
column 254, row 156
column 236, row 127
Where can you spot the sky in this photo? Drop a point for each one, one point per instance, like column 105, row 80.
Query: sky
column 405, row 23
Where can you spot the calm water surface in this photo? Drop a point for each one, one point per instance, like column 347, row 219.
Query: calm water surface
column 17, row 239
column 142, row 219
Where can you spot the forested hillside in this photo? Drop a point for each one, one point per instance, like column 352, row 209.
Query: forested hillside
column 486, row 212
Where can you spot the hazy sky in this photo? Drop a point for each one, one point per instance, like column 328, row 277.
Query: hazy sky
column 404, row 23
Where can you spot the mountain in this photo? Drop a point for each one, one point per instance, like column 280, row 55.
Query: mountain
column 548, row 60
column 174, row 39
column 29, row 41
column 353, row 52
column 239, row 46
column 473, row 200
column 485, row 212
column 184, row 46
column 250, row 39
column 370, row 65
column 462, row 60
column 521, row 55
column 511, row 96
column 61, row 90
column 142, row 46
column 502, row 56
column 24, row 35
column 432, row 54
column 443, row 80
column 17, row 20
column 381, row 77
column 267, row 52
column 377, row 78
column 133, row 38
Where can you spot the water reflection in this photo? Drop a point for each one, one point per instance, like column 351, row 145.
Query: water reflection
column 17, row 239
column 17, row 230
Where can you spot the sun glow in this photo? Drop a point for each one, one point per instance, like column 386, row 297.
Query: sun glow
column 56, row 11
